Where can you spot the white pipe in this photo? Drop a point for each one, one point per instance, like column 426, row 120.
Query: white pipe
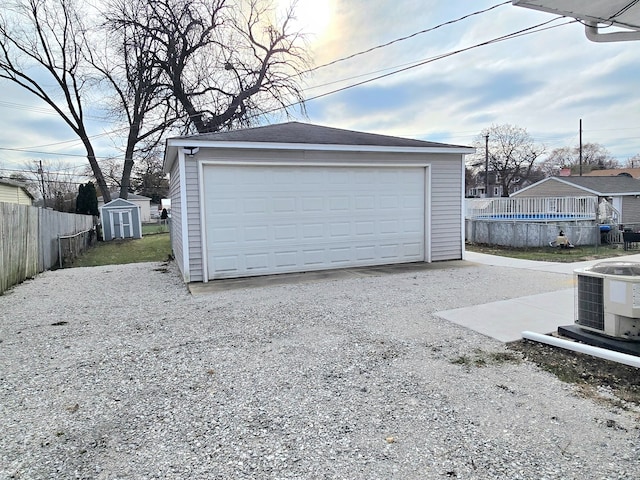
column 624, row 358
column 593, row 34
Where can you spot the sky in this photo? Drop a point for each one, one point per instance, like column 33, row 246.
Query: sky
column 544, row 82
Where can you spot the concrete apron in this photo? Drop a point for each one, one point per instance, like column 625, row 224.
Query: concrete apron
column 200, row 288
column 503, row 320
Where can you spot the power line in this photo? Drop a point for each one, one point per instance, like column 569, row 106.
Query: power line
column 509, row 36
column 397, row 40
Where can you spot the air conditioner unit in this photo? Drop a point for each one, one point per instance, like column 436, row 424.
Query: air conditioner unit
column 608, row 299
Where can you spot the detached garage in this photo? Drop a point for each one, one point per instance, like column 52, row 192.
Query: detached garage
column 296, row 197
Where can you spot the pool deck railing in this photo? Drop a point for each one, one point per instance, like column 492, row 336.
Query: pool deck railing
column 536, row 209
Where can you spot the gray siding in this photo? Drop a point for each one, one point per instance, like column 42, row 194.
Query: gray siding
column 446, row 208
column 630, row 209
column 176, row 217
column 446, row 192
column 193, row 219
column 552, row 188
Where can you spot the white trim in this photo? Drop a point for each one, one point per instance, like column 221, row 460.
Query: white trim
column 184, row 217
column 427, row 214
column 463, row 224
column 296, row 162
column 315, row 146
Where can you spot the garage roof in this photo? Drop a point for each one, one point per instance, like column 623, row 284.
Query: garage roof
column 297, row 132
column 306, row 136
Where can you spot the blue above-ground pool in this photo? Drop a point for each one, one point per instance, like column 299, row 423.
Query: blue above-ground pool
column 536, row 217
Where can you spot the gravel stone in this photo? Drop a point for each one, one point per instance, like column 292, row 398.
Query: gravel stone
column 118, row 372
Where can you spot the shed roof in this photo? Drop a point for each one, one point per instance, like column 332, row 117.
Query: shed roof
column 120, row 202
column 15, row 183
column 132, row 196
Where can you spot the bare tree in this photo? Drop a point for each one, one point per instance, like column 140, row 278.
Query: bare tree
column 141, row 100
column 52, row 180
column 202, row 65
column 41, row 52
column 633, row 162
column 512, row 154
column 225, row 63
column 594, row 157
column 149, row 180
column 111, row 170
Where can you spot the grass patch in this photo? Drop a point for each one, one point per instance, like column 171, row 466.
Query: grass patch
column 549, row 254
column 154, row 228
column 150, row 248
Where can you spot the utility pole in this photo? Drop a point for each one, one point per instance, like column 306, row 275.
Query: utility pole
column 486, row 165
column 580, row 147
column 44, row 196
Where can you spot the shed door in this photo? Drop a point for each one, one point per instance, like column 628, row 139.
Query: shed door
column 121, row 223
column 263, row 220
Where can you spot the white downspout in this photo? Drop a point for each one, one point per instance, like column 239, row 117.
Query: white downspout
column 624, row 358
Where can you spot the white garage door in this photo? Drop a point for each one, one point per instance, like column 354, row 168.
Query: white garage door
column 263, row 220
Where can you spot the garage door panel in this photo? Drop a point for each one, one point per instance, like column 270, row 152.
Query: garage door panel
column 254, row 205
column 258, row 233
column 313, row 231
column 304, row 218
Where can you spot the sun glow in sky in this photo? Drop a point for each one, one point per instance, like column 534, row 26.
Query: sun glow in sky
column 312, row 16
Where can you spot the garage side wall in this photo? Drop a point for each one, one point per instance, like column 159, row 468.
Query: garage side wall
column 446, row 207
column 176, row 216
column 192, row 183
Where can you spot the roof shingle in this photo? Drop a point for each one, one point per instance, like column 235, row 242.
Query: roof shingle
column 305, row 133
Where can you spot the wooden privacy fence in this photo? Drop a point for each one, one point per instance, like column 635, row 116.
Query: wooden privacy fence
column 30, row 240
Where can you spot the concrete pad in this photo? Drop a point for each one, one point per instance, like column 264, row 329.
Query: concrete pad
column 507, row 319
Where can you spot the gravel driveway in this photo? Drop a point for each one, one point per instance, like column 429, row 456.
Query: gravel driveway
column 119, row 373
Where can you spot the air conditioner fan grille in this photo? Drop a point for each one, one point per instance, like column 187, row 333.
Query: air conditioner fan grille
column 590, row 302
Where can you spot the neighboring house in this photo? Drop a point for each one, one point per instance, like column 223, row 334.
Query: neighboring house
column 12, row 191
column 295, row 197
column 622, row 192
column 477, row 187
column 143, row 202
column 613, row 172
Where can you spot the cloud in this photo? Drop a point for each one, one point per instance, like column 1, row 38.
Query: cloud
column 544, row 82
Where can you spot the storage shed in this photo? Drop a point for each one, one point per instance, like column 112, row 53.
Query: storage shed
column 143, row 202
column 296, row 197
column 120, row 218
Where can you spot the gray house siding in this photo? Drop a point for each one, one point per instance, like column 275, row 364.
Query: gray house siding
column 551, row 189
column 630, row 209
